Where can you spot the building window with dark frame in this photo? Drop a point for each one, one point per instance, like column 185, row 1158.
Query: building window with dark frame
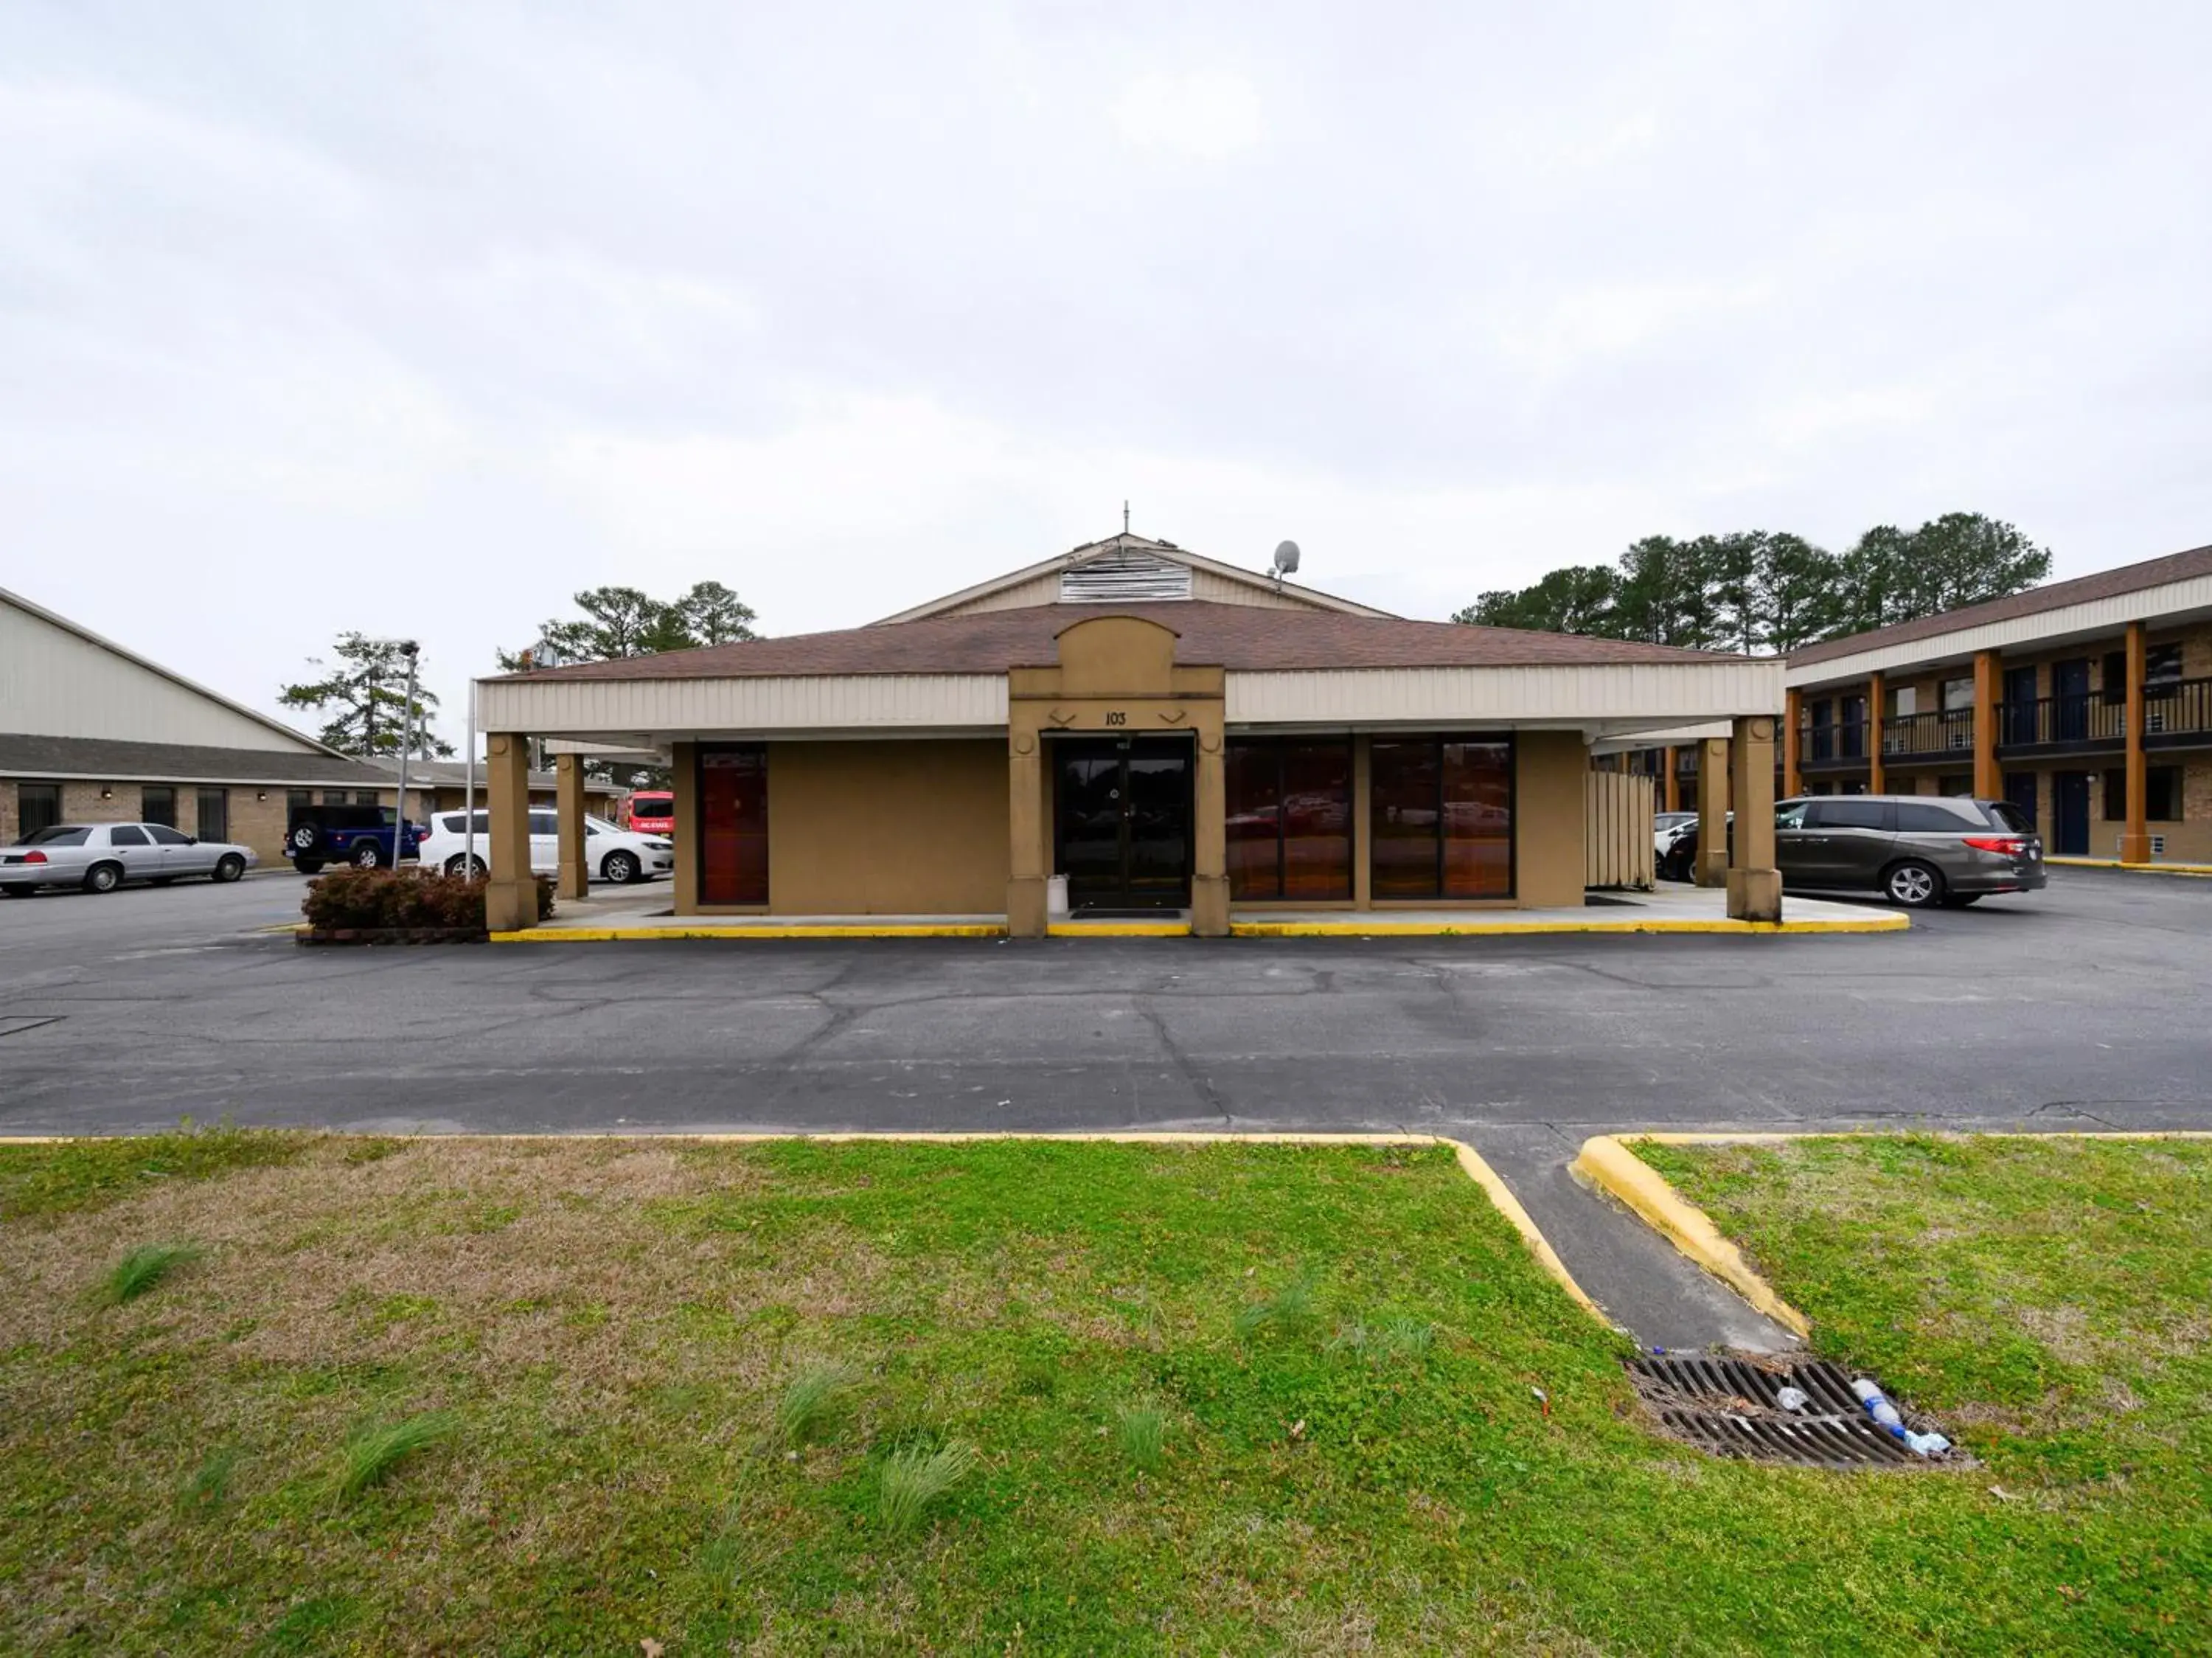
column 38, row 806
column 295, row 799
column 733, row 796
column 214, row 806
column 2162, row 794
column 157, row 803
column 1440, row 818
column 1288, row 824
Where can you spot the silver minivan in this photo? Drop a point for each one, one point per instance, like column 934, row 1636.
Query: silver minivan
column 1915, row 849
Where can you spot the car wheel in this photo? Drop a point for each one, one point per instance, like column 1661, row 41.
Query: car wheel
column 462, row 864
column 622, row 868
column 1914, row 885
column 103, row 878
column 229, row 867
column 304, row 837
column 366, row 855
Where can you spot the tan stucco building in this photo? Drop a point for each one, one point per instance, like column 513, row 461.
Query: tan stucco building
column 1152, row 731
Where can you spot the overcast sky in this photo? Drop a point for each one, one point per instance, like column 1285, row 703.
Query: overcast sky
column 417, row 319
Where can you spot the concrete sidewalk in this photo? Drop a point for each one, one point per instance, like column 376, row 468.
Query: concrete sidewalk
column 645, row 913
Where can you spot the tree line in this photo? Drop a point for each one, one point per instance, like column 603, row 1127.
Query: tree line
column 1761, row 592
column 362, row 694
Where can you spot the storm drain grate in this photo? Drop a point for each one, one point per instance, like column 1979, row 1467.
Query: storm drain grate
column 1729, row 1406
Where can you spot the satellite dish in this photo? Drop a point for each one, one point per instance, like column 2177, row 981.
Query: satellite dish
column 1286, row 558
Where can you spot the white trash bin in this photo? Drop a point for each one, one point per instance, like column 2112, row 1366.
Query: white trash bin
column 1055, row 895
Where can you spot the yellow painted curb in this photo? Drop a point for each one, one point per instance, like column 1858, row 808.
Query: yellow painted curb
column 1379, row 929
column 1470, row 1162
column 2193, row 871
column 558, row 935
column 1116, row 930
column 1778, row 1136
column 1607, row 1164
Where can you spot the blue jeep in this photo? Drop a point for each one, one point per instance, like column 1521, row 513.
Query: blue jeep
column 359, row 835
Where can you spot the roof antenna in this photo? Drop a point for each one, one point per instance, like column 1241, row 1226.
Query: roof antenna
column 1125, row 517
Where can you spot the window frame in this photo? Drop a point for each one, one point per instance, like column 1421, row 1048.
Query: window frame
column 1507, row 739
column 148, row 793
column 24, row 827
column 1277, row 749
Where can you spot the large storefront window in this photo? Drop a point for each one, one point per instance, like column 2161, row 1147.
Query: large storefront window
column 1290, row 820
column 1441, row 813
column 733, row 825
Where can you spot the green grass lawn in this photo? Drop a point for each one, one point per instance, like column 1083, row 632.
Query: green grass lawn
column 566, row 1397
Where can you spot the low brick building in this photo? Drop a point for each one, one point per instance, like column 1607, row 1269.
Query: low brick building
column 93, row 733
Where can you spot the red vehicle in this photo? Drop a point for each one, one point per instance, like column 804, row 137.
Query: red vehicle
column 652, row 812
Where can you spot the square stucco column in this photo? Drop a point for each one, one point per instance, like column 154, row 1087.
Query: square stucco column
column 575, row 880
column 1989, row 781
column 684, row 787
column 1209, row 875
column 1025, row 908
column 511, row 893
column 1712, row 812
column 1754, row 884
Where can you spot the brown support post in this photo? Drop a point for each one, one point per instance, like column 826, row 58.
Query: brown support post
column 1754, row 884
column 511, row 893
column 1712, row 812
column 1673, row 782
column 1793, row 759
column 1988, row 781
column 1877, row 773
column 2135, row 839
column 1209, row 880
column 1025, row 895
column 575, row 880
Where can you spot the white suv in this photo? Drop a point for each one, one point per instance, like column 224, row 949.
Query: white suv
column 610, row 854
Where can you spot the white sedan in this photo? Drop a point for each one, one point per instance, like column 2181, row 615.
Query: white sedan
column 619, row 856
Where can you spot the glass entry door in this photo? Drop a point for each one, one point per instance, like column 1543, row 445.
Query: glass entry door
column 1121, row 822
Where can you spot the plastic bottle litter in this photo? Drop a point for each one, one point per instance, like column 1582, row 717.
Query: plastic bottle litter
column 1793, row 1399
column 1878, row 1406
column 1926, row 1444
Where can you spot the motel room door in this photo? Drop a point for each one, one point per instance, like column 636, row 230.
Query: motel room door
column 1122, row 829
column 2069, row 813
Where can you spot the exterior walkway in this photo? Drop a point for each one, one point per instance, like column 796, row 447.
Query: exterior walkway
column 645, row 913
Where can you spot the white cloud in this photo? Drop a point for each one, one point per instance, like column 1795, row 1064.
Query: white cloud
column 1209, row 115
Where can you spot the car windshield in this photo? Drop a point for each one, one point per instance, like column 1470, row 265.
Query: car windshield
column 2011, row 817
column 62, row 834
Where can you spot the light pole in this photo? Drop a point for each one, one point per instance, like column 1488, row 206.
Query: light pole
column 406, row 721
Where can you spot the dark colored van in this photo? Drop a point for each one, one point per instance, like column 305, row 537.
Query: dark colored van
column 359, row 835
column 1915, row 849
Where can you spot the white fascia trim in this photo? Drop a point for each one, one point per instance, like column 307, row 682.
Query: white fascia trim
column 174, row 677
column 1660, row 694
column 2172, row 603
column 797, row 705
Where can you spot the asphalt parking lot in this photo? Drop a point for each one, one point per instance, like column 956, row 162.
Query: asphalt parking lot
column 2088, row 1004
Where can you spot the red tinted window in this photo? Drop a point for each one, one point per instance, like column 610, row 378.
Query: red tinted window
column 1252, row 775
column 1290, row 820
column 1478, row 820
column 733, row 825
column 1442, row 815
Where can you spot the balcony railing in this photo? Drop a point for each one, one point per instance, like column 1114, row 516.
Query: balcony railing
column 1845, row 740
column 1905, row 735
column 2175, row 708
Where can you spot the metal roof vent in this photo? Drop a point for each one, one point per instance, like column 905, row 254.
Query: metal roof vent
column 1122, row 576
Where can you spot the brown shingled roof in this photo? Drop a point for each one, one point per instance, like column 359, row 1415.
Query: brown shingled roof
column 2104, row 584
column 1237, row 636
